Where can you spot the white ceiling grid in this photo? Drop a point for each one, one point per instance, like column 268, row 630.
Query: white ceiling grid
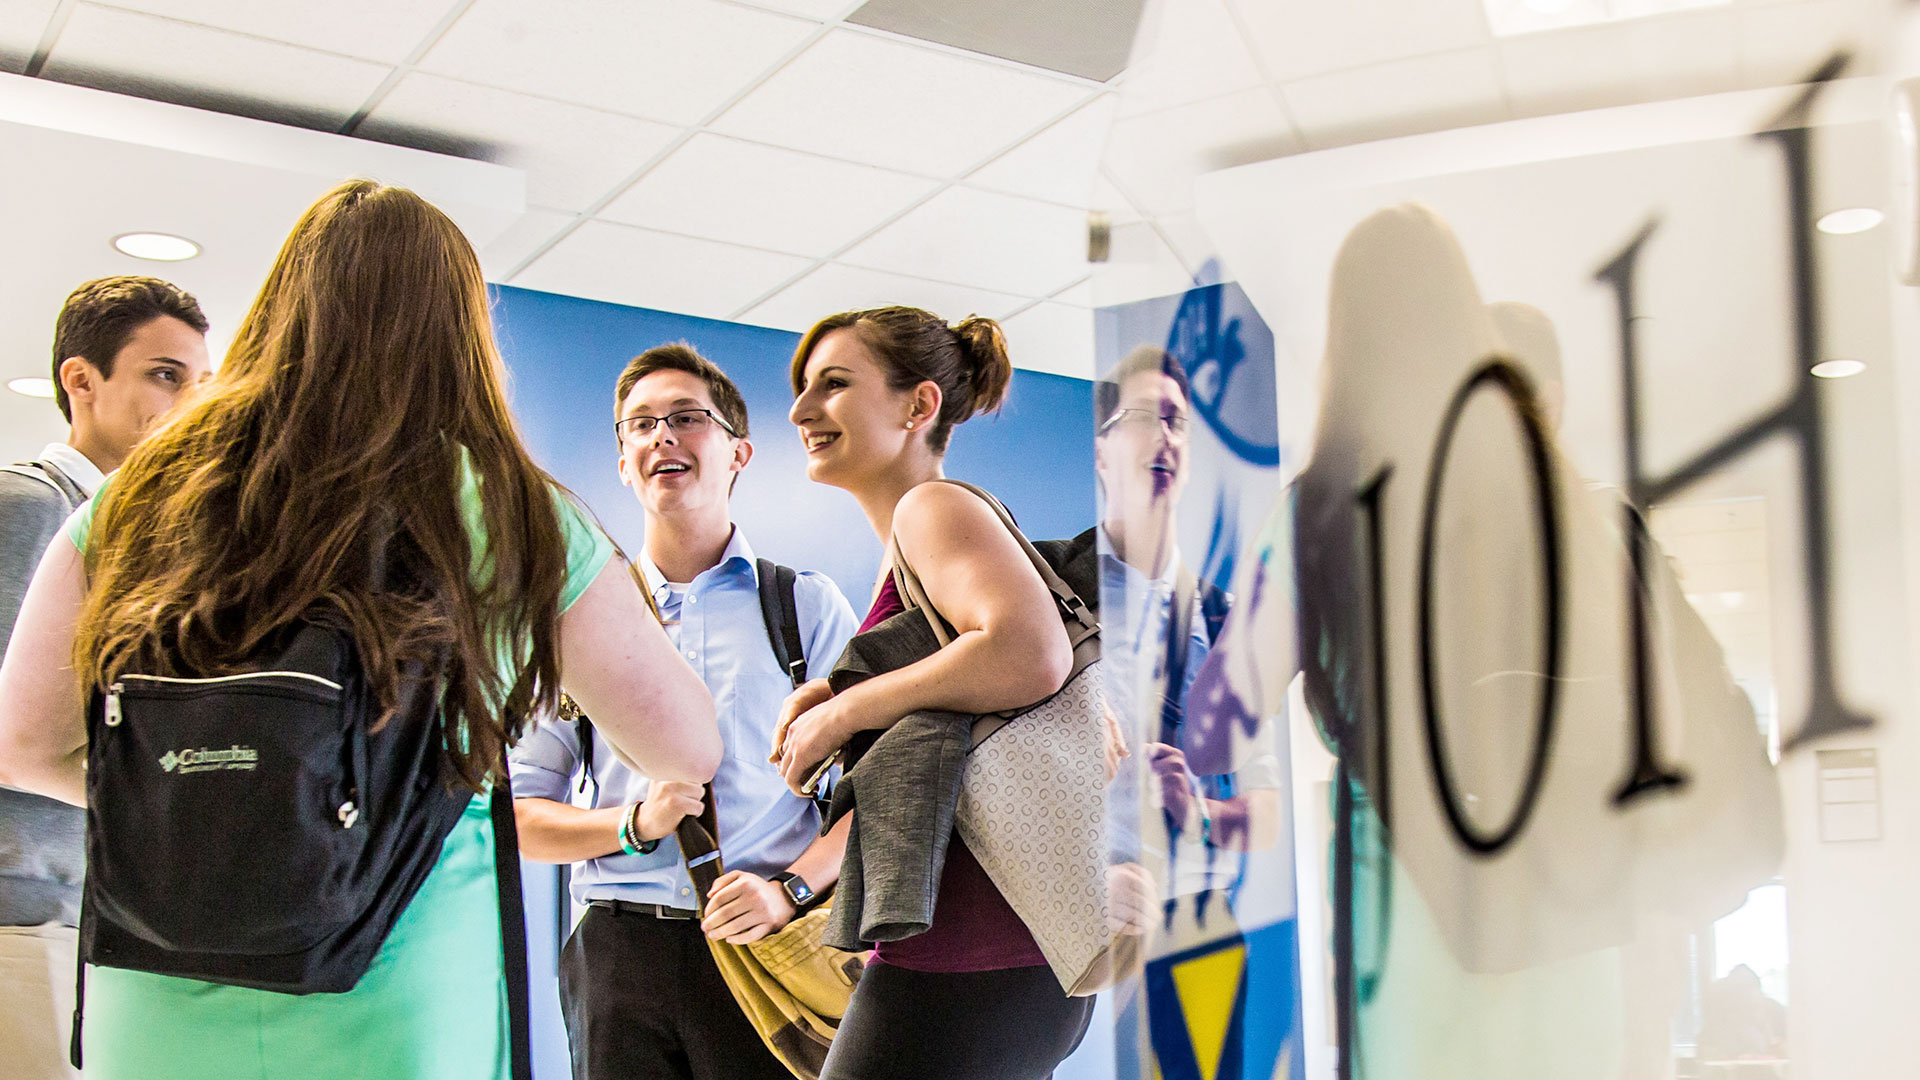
column 763, row 160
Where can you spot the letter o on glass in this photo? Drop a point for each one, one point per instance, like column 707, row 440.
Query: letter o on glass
column 1495, row 374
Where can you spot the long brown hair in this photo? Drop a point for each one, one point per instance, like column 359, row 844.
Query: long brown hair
column 360, row 394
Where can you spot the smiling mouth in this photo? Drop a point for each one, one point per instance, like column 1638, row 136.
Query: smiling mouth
column 671, row 468
column 815, row 442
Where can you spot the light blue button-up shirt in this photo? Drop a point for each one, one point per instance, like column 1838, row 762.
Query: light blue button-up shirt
column 717, row 626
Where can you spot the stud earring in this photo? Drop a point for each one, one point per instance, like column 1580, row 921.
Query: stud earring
column 909, row 425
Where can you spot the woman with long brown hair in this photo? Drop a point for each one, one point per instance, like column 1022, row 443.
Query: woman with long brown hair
column 355, row 453
column 878, row 394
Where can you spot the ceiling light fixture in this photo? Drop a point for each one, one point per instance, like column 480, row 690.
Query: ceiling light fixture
column 33, row 386
column 158, row 247
column 1838, row 369
column 1852, row 220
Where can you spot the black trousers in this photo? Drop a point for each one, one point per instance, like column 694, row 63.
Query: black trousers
column 1015, row 1024
column 643, row 1000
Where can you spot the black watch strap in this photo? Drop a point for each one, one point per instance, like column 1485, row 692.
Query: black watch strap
column 799, row 893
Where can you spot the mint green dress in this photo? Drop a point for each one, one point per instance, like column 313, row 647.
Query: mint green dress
column 433, row 1005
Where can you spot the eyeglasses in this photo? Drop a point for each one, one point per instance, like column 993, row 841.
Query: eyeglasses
column 683, row 423
column 1177, row 426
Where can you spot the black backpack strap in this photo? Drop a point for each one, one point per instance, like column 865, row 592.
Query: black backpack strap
column 782, row 615
column 79, row 990
column 513, row 927
column 1173, row 705
column 585, row 727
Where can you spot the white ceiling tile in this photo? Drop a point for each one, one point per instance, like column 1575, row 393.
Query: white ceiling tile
column 838, row 287
column 1196, row 52
column 982, row 239
column 763, row 196
column 535, row 227
column 1059, row 164
column 1155, row 158
column 573, row 155
column 21, row 24
column 1622, row 64
column 865, row 98
column 1079, row 295
column 1781, row 44
column 1402, row 97
column 811, row 9
column 671, row 60
column 1051, row 337
column 642, row 268
column 386, row 30
column 1109, row 200
column 1295, row 40
column 127, row 52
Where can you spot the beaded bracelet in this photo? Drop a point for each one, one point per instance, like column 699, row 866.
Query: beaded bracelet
column 630, row 841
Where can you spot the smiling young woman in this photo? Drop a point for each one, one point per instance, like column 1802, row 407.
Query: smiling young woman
column 877, row 396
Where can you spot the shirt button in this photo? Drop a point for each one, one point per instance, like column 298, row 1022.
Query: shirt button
column 690, row 654
column 684, row 892
column 692, row 599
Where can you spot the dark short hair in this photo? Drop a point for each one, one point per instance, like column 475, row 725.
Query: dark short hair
column 1145, row 360
column 101, row 315
column 680, row 356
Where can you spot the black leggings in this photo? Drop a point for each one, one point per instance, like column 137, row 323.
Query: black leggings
column 1013, row 1024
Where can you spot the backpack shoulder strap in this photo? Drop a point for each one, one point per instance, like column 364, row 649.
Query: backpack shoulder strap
column 781, row 614
column 513, row 927
column 583, row 727
column 50, row 475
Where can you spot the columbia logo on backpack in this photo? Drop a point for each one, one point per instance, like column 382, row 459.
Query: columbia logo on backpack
column 203, row 759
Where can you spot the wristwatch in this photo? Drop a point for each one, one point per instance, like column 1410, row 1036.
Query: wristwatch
column 799, row 893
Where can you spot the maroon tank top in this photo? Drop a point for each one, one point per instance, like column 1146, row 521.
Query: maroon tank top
column 973, row 928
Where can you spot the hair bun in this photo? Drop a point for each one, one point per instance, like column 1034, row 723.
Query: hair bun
column 984, row 347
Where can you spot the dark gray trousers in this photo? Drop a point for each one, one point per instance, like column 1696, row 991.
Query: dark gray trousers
column 643, row 1000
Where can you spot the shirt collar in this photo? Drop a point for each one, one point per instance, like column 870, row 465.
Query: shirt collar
column 738, row 550
column 1131, row 574
column 79, row 468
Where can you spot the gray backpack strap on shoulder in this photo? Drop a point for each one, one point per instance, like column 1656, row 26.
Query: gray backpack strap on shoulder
column 51, row 475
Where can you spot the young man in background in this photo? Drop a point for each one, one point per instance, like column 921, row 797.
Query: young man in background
column 124, row 351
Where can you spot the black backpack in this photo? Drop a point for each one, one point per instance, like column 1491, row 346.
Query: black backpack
column 781, row 615
column 250, row 829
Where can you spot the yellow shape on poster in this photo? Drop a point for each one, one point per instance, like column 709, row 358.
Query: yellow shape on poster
column 1207, row 986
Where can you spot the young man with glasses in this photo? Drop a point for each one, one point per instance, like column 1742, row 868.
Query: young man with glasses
column 124, row 350
column 639, row 989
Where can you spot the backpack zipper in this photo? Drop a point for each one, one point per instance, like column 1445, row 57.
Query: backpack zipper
column 113, row 710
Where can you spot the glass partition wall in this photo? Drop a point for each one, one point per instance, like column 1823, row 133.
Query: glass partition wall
column 1508, row 564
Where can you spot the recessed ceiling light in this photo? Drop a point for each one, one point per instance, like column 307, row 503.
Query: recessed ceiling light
column 159, row 247
column 1852, row 220
column 1838, row 369
column 1549, row 7
column 34, row 386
